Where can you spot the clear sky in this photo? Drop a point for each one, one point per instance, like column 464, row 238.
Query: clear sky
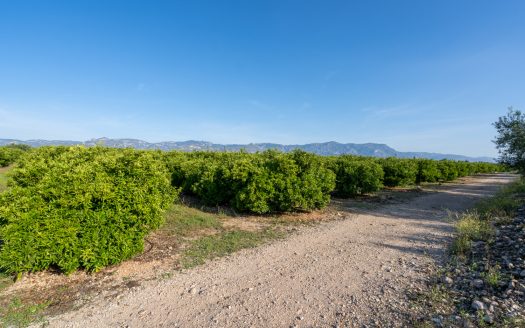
column 416, row 75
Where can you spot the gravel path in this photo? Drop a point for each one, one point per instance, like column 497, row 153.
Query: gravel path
column 349, row 272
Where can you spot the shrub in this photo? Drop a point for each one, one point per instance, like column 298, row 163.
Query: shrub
column 265, row 182
column 399, row 172
column 427, row 171
column 205, row 174
column 356, row 177
column 76, row 207
column 463, row 169
column 278, row 182
column 298, row 181
column 448, row 170
column 11, row 153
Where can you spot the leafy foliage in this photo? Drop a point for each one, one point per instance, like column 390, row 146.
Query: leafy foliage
column 402, row 172
column 76, row 207
column 399, row 172
column 427, row 171
column 510, row 140
column 261, row 183
column 11, row 153
column 356, row 176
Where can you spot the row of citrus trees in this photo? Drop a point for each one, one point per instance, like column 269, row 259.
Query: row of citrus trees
column 11, row 153
column 298, row 181
column 77, row 207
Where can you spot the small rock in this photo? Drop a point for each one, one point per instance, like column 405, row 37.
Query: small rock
column 478, row 283
column 467, row 324
column 478, row 305
column 448, row 281
column 488, row 318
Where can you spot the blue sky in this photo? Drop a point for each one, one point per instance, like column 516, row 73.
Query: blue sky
column 416, row 75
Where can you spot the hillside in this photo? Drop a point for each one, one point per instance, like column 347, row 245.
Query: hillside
column 325, row 148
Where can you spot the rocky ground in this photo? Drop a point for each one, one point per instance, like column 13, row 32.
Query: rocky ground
column 357, row 271
column 488, row 288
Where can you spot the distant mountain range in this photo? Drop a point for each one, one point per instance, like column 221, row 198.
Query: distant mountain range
column 325, row 148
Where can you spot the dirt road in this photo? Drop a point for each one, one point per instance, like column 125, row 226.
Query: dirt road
column 347, row 272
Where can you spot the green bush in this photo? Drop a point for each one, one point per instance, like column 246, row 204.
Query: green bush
column 427, row 171
column 298, row 181
column 265, row 182
column 356, row 177
column 76, row 207
column 205, row 174
column 275, row 182
column 448, row 169
column 398, row 171
column 11, row 153
column 463, row 169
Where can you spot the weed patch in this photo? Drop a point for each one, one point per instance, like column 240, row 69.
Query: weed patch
column 470, row 227
column 18, row 314
column 492, row 277
column 223, row 244
column 185, row 221
column 5, row 280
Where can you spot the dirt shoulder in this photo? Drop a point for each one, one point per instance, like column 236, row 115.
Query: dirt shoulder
column 346, row 272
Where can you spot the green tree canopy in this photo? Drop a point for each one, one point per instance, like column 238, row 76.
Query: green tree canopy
column 510, row 140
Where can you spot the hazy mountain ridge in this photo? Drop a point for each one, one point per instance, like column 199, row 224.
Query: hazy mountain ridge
column 325, row 148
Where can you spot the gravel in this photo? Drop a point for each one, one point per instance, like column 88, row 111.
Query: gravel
column 495, row 270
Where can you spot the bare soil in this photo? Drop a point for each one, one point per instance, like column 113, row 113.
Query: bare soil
column 348, row 272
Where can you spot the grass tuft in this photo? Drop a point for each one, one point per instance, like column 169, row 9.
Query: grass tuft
column 492, row 277
column 470, row 227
